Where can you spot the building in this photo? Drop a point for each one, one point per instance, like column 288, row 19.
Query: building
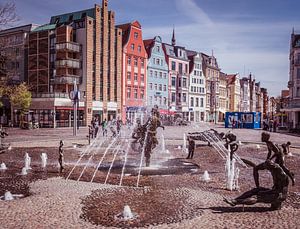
column 259, row 98
column 157, row 76
column 82, row 47
column 197, row 93
column 293, row 108
column 13, row 62
column 234, row 92
column 212, row 73
column 223, row 97
column 134, row 71
column 245, row 95
column 265, row 105
column 178, row 63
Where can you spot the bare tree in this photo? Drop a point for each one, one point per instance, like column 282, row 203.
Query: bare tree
column 8, row 14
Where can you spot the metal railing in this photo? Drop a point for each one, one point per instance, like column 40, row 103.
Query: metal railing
column 75, row 47
column 68, row 63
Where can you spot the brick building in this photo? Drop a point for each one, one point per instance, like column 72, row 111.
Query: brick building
column 82, row 47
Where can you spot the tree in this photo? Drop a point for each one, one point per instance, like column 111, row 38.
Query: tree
column 20, row 97
column 8, row 14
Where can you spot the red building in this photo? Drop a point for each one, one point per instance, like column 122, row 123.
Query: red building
column 134, row 70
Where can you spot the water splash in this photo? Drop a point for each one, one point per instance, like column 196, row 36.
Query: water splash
column 3, row 166
column 44, row 160
column 205, row 176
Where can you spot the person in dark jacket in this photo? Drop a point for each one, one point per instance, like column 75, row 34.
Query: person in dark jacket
column 191, row 148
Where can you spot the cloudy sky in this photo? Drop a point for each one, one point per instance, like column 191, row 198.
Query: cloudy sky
column 245, row 36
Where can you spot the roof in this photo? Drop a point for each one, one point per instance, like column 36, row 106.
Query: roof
column 125, row 32
column 24, row 28
column 63, row 18
column 231, row 78
column 44, row 27
column 149, row 43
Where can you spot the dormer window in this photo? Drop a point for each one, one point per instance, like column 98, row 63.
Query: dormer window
column 157, row 48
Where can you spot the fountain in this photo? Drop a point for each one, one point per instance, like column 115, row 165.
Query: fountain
column 24, row 171
column 8, row 196
column 257, row 147
column 127, row 214
column 44, row 160
column 184, row 149
column 3, row 166
column 240, row 143
column 27, row 161
column 205, row 176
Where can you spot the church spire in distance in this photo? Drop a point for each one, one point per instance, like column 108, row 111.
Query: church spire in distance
column 173, row 37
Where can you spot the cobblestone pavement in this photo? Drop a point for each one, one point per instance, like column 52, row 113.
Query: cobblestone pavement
column 169, row 201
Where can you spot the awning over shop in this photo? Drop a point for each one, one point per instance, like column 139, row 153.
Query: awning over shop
column 166, row 112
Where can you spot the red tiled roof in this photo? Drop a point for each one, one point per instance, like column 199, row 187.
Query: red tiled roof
column 231, row 78
column 148, row 45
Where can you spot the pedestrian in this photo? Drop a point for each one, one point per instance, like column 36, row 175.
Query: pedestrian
column 104, row 125
column 274, row 125
column 119, row 124
column 96, row 123
column 61, row 156
column 191, row 148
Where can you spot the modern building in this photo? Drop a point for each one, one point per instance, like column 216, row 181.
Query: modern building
column 178, row 63
column 82, row 47
column 212, row 73
column 157, row 76
column 197, row 92
column 234, row 92
column 293, row 108
column 134, row 71
column 13, row 62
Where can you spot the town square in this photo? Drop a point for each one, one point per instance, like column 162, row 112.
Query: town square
column 115, row 117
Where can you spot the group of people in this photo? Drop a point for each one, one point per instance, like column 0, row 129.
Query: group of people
column 95, row 125
column 280, row 173
column 270, row 125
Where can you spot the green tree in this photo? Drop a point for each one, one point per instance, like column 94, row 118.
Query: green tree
column 20, row 97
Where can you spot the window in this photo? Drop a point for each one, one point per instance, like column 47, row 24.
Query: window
column 192, row 101
column 153, row 60
column 136, row 35
column 165, row 87
column 128, row 75
column 158, row 61
column 160, row 75
column 151, row 73
column 151, row 86
column 165, row 75
column 129, row 61
column 142, row 63
column 142, row 78
column 298, row 92
column 184, row 82
column 135, row 76
column 179, row 82
column 165, row 101
column 155, row 87
column 17, row 51
column 135, row 62
column 173, row 82
column 157, row 49
column 155, row 74
column 160, row 87
column 142, row 94
column 186, row 68
column 139, row 48
column 298, row 73
column 184, row 97
column 132, row 46
column 173, row 97
column 173, row 65
column 128, row 92
column 135, row 93
column 150, row 100
column 180, row 68
column 159, row 100
column 197, row 102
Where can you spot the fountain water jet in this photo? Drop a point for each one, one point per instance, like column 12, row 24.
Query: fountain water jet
column 24, row 171
column 44, row 160
column 3, row 166
column 205, row 176
column 8, row 196
column 27, row 159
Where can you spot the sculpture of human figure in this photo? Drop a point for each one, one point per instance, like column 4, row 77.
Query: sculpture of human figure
column 61, row 156
column 286, row 148
column 278, row 155
column 274, row 196
column 230, row 141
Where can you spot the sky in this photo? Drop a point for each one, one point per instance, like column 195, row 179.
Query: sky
column 245, row 36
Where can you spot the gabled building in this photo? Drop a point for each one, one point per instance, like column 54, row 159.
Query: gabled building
column 134, row 71
column 234, row 92
column 178, row 63
column 197, row 93
column 223, row 97
column 157, row 76
column 82, row 47
column 212, row 73
column 245, row 95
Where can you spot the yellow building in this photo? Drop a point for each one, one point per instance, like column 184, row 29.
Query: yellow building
column 234, row 92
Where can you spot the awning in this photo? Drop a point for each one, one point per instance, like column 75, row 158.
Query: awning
column 166, row 112
column 68, row 108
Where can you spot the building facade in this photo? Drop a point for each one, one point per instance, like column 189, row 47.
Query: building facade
column 197, row 93
column 293, row 108
column 234, row 92
column 134, row 71
column 178, row 63
column 212, row 73
column 157, row 76
column 223, row 97
column 13, row 63
column 81, row 47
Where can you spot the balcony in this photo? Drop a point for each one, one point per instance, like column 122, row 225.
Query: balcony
column 71, row 63
column 67, row 79
column 68, row 46
column 291, row 104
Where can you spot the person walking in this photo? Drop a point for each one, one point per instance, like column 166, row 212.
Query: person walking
column 191, row 148
column 104, row 125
